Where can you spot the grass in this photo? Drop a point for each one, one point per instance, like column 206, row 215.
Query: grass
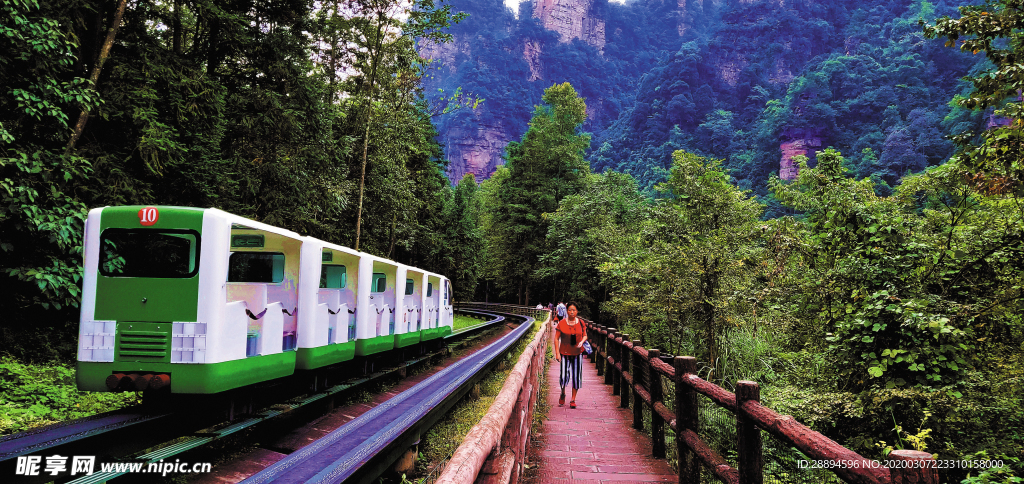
column 465, row 322
column 34, row 395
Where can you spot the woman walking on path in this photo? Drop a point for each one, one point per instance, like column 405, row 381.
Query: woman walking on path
column 570, row 335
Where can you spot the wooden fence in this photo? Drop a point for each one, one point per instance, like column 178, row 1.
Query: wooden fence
column 636, row 374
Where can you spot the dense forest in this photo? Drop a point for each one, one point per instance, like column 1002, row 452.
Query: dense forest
column 269, row 110
column 742, row 78
column 877, row 294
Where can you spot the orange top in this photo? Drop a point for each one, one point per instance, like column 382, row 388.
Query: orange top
column 565, row 346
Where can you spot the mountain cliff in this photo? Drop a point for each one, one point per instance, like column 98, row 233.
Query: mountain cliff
column 754, row 82
column 572, row 19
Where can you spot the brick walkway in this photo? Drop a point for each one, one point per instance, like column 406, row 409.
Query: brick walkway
column 596, row 441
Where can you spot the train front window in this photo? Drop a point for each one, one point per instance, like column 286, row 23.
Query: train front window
column 149, row 253
column 265, row 267
column 333, row 277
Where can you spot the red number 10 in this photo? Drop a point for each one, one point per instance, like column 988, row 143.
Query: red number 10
column 148, row 216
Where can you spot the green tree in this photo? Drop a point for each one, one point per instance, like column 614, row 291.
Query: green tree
column 579, row 231
column 380, row 29
column 995, row 28
column 41, row 214
column 903, row 284
column 544, row 167
column 463, row 237
column 707, row 228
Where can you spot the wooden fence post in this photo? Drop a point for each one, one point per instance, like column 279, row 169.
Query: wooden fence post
column 601, row 356
column 657, row 424
column 917, row 469
column 627, row 359
column 608, row 343
column 636, row 368
column 748, row 436
column 686, row 419
column 617, row 356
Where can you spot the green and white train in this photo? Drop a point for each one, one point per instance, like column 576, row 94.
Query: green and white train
column 201, row 301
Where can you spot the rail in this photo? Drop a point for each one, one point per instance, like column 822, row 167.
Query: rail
column 494, row 450
column 635, row 371
column 362, row 449
column 521, row 310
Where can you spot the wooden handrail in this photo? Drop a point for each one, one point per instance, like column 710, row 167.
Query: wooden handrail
column 624, row 362
column 497, row 444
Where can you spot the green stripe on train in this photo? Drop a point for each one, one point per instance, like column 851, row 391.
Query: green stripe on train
column 434, row 333
column 310, row 358
column 193, row 378
column 407, row 339
column 374, row 345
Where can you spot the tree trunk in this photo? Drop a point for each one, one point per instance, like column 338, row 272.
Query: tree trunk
column 391, row 248
column 211, row 54
column 177, row 27
column 95, row 77
column 374, row 60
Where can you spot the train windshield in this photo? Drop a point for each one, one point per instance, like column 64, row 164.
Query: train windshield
column 149, row 253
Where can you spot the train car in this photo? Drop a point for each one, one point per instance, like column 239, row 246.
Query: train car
column 328, row 311
column 193, row 300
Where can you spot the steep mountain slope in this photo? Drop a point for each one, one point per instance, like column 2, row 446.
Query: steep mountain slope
column 755, row 82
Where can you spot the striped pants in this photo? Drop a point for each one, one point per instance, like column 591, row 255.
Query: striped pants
column 571, row 370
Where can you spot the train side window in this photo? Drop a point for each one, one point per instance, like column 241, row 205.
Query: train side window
column 380, row 282
column 409, row 287
column 430, row 289
column 333, row 277
column 266, row 267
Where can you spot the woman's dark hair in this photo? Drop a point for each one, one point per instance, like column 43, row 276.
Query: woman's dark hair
column 572, row 303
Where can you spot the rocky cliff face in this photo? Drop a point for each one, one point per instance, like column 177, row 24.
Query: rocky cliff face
column 797, row 142
column 531, row 52
column 444, row 53
column 477, row 151
column 572, row 19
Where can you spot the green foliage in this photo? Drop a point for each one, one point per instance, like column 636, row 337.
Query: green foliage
column 994, row 28
column 903, row 283
column 36, row 395
column 1008, row 473
column 464, row 322
column 543, row 168
column 677, row 274
column 40, row 212
column 201, row 104
column 579, row 230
